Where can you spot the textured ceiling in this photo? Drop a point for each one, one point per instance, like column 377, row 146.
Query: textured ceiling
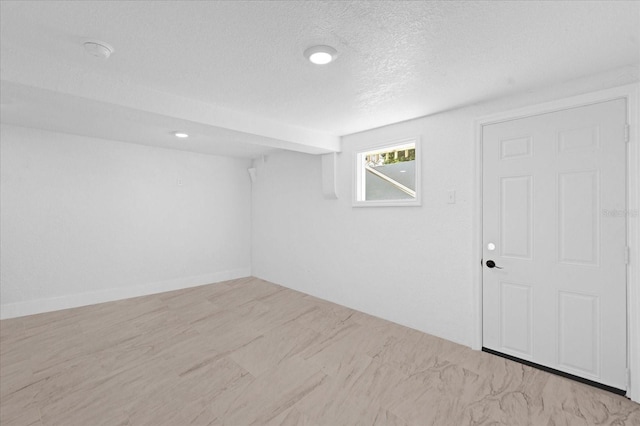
column 242, row 61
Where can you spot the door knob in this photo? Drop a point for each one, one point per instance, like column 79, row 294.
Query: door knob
column 492, row 264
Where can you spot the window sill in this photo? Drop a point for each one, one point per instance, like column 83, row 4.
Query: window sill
column 390, row 203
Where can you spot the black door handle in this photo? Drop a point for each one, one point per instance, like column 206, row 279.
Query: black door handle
column 492, row 264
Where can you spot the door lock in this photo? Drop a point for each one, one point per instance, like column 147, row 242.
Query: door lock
column 492, row 264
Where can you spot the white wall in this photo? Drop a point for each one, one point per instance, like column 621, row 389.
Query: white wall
column 87, row 220
column 420, row 273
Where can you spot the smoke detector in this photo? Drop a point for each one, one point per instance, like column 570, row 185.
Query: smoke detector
column 97, row 48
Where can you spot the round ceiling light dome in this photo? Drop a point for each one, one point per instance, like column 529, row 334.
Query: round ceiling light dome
column 320, row 55
column 97, row 48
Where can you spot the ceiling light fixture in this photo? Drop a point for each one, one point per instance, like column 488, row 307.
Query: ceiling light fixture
column 181, row 135
column 320, row 55
column 97, row 48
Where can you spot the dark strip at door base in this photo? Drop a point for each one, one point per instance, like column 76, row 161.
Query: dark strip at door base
column 557, row 372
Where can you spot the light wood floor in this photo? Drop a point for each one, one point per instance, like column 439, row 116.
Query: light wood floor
column 248, row 352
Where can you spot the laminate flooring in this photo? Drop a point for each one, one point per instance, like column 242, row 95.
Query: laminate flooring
column 248, row 352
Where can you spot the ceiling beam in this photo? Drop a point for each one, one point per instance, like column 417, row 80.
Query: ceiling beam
column 94, row 85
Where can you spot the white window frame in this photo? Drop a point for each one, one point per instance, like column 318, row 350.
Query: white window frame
column 359, row 178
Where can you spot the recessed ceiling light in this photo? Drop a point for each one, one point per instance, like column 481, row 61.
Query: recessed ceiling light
column 181, row 135
column 97, row 48
column 320, row 55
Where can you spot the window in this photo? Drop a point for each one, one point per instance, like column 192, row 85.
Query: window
column 388, row 175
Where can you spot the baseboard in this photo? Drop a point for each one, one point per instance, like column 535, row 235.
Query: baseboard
column 31, row 307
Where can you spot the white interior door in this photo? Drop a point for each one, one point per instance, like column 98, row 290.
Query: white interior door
column 552, row 185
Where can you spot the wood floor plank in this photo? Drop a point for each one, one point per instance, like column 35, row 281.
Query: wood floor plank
column 249, row 352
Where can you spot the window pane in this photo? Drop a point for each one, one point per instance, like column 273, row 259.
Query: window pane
column 377, row 188
column 390, row 173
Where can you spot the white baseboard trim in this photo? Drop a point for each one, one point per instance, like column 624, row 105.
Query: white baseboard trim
column 38, row 306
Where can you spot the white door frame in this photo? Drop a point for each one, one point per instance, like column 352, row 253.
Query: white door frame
column 631, row 94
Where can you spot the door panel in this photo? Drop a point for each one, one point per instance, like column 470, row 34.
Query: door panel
column 515, row 220
column 578, row 225
column 579, row 332
column 560, row 298
column 517, row 324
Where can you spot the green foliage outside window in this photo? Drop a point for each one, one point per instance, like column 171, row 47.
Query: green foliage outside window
column 392, row 157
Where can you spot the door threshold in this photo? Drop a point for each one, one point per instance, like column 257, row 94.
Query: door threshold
column 557, row 372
